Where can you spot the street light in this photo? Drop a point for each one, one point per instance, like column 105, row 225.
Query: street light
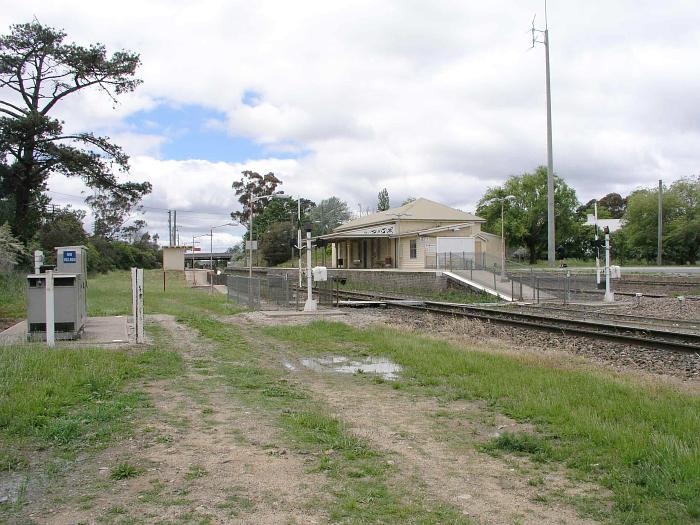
column 503, row 236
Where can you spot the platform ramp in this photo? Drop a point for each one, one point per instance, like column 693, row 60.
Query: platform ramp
column 471, row 280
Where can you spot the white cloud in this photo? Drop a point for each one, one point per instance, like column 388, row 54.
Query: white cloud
column 439, row 99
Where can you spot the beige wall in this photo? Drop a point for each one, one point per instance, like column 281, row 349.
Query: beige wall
column 174, row 258
column 405, row 261
column 492, row 247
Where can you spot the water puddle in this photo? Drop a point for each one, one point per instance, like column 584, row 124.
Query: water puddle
column 343, row 365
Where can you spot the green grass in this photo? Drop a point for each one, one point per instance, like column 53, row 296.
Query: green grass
column 364, row 487
column 71, row 399
column 110, row 294
column 455, row 296
column 125, row 470
column 13, row 295
column 641, row 442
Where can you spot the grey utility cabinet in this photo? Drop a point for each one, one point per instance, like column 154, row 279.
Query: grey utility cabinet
column 70, row 296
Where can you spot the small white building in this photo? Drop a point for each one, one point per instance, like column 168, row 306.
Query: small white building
column 422, row 234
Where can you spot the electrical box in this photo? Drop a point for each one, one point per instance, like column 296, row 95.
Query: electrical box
column 320, row 273
column 615, row 272
column 70, row 296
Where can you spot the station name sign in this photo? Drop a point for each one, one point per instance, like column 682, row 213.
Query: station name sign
column 69, row 256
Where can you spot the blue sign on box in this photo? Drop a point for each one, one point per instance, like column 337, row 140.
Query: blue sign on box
column 69, row 256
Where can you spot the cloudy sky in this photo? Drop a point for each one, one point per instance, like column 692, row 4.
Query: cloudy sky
column 436, row 99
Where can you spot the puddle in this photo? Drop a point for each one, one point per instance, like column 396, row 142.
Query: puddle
column 343, row 365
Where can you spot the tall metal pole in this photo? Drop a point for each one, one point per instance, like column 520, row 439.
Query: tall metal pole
column 170, row 228
column 503, row 244
column 597, row 248
column 550, row 169
column 211, row 258
column 299, row 235
column 250, row 239
column 175, row 228
column 659, row 241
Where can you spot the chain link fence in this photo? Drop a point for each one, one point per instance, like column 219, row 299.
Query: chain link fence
column 277, row 292
column 561, row 286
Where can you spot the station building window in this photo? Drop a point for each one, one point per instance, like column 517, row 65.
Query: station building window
column 413, row 248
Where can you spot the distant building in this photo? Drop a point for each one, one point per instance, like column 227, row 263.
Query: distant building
column 415, row 236
column 612, row 224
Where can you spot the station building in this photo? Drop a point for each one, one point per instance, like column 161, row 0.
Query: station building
column 420, row 235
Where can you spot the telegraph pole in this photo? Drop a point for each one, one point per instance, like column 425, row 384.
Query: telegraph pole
column 551, row 237
column 659, row 240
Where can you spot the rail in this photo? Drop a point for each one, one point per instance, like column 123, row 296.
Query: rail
column 639, row 332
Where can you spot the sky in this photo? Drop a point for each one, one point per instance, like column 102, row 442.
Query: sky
column 436, row 99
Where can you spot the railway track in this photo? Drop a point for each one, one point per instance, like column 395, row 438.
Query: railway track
column 656, row 333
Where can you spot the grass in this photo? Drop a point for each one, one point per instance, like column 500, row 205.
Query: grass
column 110, row 294
column 456, row 296
column 364, row 488
column 13, row 295
column 68, row 400
column 640, row 441
column 125, row 470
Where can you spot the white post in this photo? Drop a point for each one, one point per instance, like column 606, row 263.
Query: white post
column 134, row 299
column 609, row 296
column 139, row 305
column 310, row 305
column 50, row 318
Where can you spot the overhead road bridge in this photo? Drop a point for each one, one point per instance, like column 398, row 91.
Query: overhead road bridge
column 206, row 256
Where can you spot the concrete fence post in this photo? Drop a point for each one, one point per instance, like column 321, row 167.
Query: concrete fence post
column 50, row 317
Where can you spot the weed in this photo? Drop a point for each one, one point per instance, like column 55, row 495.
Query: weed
column 125, row 471
column 519, row 443
column 195, row 472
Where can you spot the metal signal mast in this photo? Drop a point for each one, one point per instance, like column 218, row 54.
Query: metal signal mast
column 540, row 36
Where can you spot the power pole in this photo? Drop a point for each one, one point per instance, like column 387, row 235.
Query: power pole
column 170, row 228
column 659, row 240
column 175, row 242
column 551, row 237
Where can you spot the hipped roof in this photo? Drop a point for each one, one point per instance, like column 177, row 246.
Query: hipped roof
column 417, row 210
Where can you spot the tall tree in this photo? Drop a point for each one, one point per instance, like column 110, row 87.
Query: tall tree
column 37, row 72
column 383, row 203
column 276, row 243
column 64, row 227
column 329, row 214
column 526, row 214
column 111, row 210
column 681, row 218
column 255, row 185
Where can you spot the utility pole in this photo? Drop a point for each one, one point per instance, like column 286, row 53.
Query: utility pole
column 551, row 237
column 175, row 228
column 170, row 228
column 659, row 240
